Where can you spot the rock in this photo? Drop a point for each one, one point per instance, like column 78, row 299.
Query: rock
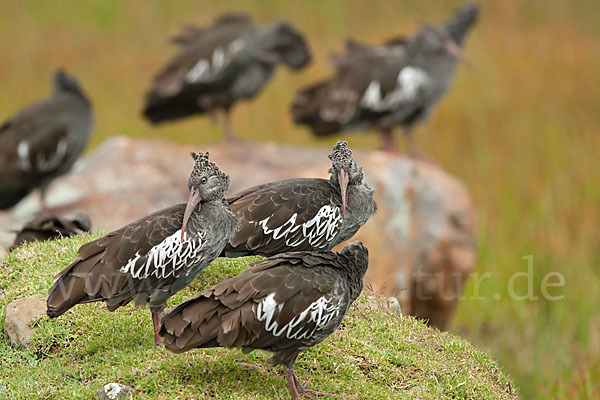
column 421, row 242
column 377, row 302
column 394, row 305
column 21, row 314
column 425, row 247
column 114, row 391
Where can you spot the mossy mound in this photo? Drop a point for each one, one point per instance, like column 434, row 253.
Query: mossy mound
column 374, row 355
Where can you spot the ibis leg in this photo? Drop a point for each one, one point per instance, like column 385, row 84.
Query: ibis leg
column 156, row 317
column 303, row 390
column 413, row 147
column 291, row 380
column 387, row 139
column 214, row 116
column 228, row 125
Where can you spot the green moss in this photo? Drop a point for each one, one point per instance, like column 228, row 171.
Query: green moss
column 374, row 355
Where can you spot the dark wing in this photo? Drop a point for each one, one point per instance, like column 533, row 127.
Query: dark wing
column 306, row 108
column 335, row 104
column 397, row 41
column 357, row 53
column 353, row 52
column 145, row 255
column 190, row 34
column 51, row 227
column 294, row 214
column 210, row 60
column 344, row 97
column 35, row 145
column 369, row 84
column 283, row 300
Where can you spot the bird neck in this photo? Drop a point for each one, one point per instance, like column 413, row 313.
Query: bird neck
column 359, row 198
column 208, row 207
column 441, row 65
column 73, row 92
column 354, row 275
column 459, row 24
column 198, row 217
column 210, row 210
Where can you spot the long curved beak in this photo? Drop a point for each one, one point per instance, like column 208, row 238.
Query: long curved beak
column 343, row 180
column 458, row 52
column 193, row 201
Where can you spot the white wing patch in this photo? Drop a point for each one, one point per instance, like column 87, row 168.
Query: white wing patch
column 321, row 312
column 23, row 154
column 198, row 73
column 324, row 225
column 236, row 45
column 372, row 96
column 204, row 69
column 166, row 258
column 43, row 163
column 218, row 59
column 410, row 81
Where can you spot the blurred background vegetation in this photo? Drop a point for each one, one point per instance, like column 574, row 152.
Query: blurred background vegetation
column 520, row 128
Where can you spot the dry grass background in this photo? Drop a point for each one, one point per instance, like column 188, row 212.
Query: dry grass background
column 521, row 128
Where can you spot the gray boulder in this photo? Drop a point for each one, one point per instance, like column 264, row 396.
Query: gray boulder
column 21, row 316
column 421, row 242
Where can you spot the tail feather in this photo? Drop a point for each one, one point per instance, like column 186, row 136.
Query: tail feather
column 74, row 285
column 167, row 109
column 194, row 323
column 306, row 110
column 66, row 292
column 169, row 100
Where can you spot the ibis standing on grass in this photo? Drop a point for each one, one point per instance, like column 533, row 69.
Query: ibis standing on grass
column 151, row 259
column 284, row 304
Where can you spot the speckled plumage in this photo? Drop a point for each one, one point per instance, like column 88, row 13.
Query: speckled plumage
column 301, row 213
column 152, row 258
column 283, row 304
column 383, row 86
column 44, row 140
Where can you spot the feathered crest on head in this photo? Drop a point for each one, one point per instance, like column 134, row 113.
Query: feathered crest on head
column 341, row 153
column 341, row 158
column 203, row 167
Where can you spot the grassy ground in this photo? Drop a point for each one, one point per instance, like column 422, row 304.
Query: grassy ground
column 374, row 355
column 521, row 128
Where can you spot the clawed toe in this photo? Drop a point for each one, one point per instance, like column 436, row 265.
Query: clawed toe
column 309, row 393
